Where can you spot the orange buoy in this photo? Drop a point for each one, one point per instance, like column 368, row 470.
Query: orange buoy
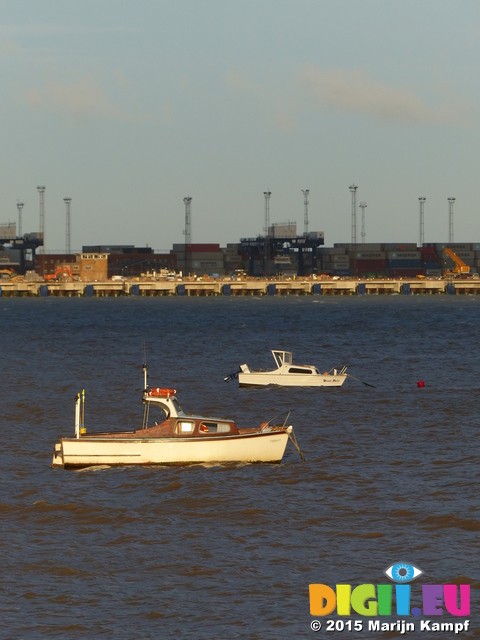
column 159, row 392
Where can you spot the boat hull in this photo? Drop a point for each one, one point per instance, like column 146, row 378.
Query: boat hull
column 75, row 453
column 264, row 379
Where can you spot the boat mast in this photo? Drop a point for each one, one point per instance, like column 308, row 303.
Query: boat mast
column 82, row 421
column 146, row 409
column 77, row 416
column 145, row 383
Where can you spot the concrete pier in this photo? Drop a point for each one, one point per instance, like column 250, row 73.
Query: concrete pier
column 250, row 287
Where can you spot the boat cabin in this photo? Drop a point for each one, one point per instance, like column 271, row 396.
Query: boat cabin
column 164, row 414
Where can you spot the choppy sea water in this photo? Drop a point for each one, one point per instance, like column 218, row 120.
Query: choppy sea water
column 229, row 552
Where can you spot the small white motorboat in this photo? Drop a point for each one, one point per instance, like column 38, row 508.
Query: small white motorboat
column 169, row 436
column 288, row 374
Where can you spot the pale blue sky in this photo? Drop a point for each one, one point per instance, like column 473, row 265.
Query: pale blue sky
column 128, row 106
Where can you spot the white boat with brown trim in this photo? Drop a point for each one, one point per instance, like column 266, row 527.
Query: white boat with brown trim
column 288, row 374
column 169, row 436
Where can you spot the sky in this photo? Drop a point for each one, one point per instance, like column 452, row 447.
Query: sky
column 128, row 106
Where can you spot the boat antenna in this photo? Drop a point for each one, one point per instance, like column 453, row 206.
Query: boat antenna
column 145, row 367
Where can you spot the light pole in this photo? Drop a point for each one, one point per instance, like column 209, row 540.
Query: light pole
column 353, row 190
column 450, row 219
column 422, row 205
column 305, row 217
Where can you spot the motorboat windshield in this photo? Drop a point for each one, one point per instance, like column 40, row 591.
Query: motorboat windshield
column 282, row 357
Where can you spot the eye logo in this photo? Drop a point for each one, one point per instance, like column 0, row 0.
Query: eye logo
column 403, row 572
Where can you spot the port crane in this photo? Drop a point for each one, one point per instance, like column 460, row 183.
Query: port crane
column 460, row 267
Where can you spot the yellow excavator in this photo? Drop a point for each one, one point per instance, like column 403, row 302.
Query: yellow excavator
column 460, row 267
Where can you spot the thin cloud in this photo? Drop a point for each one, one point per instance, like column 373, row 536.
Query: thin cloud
column 53, row 29
column 278, row 108
column 8, row 47
column 79, row 101
column 240, row 81
column 356, row 92
column 284, row 121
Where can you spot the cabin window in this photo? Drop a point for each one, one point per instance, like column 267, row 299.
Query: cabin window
column 296, row 370
column 184, row 426
column 214, row 427
column 178, row 408
column 156, row 414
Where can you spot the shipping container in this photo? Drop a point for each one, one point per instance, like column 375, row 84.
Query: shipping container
column 343, row 273
column 431, row 265
column 360, row 246
column 370, row 255
column 372, row 265
column 207, row 255
column 370, row 246
column 331, row 260
column 196, row 248
column 465, row 255
column 339, row 260
column 433, row 273
column 406, row 246
column 427, row 251
column 331, row 251
column 404, row 255
column 404, row 264
column 454, row 246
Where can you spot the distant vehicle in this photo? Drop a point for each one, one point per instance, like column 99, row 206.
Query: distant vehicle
column 238, row 274
column 62, row 273
column 118, row 279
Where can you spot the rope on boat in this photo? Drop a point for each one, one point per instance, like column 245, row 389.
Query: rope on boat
column 367, row 384
column 293, row 438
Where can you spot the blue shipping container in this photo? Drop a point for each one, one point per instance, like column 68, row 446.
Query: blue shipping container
column 404, row 264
